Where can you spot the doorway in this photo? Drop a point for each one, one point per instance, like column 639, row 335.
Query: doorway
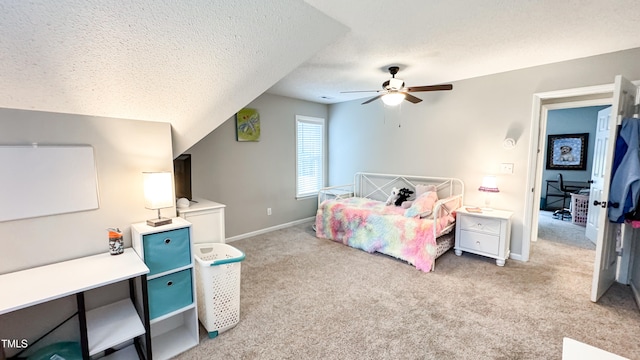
column 611, row 262
column 561, row 220
column 542, row 104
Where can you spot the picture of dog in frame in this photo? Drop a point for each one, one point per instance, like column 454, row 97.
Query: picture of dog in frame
column 567, row 151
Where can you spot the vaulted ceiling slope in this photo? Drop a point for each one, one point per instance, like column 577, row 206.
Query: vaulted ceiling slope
column 190, row 63
column 196, row 63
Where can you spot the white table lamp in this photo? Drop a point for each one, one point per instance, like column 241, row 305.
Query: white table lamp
column 488, row 187
column 158, row 194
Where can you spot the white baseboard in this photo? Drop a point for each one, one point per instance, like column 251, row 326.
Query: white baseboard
column 269, row 229
column 515, row 256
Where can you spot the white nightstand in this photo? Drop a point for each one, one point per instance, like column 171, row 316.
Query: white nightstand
column 487, row 233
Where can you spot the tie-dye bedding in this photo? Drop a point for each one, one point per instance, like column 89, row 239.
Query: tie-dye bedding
column 372, row 226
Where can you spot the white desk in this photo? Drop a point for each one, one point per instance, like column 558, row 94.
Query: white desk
column 100, row 328
column 575, row 350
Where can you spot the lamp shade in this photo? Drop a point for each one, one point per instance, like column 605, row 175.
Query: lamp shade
column 158, row 190
column 489, row 184
column 393, row 99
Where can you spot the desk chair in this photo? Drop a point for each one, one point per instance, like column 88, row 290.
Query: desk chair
column 566, row 193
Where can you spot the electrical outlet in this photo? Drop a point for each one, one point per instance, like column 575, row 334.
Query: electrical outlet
column 506, row 168
column 268, row 211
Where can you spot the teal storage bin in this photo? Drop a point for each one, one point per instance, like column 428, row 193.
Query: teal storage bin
column 167, row 250
column 169, row 293
column 67, row 350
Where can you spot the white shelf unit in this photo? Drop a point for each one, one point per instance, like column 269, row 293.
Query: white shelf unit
column 111, row 325
column 101, row 328
column 207, row 219
column 175, row 329
column 168, row 252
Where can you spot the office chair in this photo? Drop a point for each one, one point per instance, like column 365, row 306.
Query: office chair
column 563, row 212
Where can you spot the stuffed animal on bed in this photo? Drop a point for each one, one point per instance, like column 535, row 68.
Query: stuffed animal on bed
column 398, row 196
column 394, row 195
column 403, row 195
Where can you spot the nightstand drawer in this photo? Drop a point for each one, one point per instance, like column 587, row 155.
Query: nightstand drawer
column 474, row 223
column 170, row 292
column 479, row 242
column 167, row 250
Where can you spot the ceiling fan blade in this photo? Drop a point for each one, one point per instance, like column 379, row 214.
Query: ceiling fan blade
column 359, row 91
column 412, row 99
column 372, row 99
column 429, row 88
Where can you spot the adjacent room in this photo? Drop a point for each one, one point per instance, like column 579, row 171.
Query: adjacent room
column 424, row 180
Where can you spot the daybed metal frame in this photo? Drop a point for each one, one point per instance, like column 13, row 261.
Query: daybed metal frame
column 378, row 186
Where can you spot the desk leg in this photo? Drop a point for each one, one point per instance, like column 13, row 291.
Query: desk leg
column 147, row 320
column 82, row 318
column 143, row 310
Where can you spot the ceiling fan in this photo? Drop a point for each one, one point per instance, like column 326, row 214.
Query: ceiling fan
column 393, row 90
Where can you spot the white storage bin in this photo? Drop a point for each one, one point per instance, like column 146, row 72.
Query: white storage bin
column 579, row 209
column 218, row 286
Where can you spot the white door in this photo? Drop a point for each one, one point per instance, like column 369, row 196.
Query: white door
column 604, row 269
column 603, row 126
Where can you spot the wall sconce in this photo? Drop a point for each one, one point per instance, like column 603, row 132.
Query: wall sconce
column 509, row 143
column 393, row 98
column 488, row 187
column 158, row 194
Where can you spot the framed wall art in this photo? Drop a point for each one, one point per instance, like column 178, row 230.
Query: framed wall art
column 567, row 151
column 248, row 125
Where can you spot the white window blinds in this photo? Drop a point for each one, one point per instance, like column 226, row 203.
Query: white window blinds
column 309, row 155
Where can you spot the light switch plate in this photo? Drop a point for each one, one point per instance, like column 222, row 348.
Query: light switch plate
column 506, row 168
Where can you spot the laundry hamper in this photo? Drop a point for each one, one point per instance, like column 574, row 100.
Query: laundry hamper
column 579, row 208
column 218, row 286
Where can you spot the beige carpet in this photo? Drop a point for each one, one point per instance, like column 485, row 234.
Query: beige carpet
column 562, row 231
column 309, row 298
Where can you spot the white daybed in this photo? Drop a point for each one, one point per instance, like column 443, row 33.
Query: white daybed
column 357, row 215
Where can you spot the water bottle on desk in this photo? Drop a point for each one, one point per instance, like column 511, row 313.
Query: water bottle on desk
column 116, row 247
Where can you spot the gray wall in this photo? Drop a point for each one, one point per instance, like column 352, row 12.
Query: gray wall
column 250, row 177
column 571, row 121
column 459, row 133
column 123, row 150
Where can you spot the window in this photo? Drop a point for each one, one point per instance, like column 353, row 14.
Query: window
column 309, row 155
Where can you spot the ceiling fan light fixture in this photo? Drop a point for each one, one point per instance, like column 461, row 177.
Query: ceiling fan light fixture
column 393, row 91
column 396, row 84
column 393, row 99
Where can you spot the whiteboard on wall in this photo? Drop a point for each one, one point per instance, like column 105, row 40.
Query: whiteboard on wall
column 46, row 180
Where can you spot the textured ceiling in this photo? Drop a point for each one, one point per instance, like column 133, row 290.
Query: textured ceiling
column 442, row 41
column 195, row 63
column 191, row 63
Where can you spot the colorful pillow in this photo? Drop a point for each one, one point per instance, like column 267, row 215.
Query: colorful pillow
column 422, row 206
column 407, row 204
column 421, row 189
column 449, row 205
